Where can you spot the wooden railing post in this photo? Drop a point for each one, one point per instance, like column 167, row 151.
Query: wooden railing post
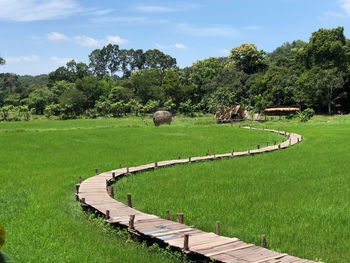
column 79, row 180
column 107, row 215
column 129, row 200
column 180, row 218
column 132, row 222
column 263, row 241
column 218, row 227
column 232, row 153
column 96, row 171
column 167, row 215
column 186, row 237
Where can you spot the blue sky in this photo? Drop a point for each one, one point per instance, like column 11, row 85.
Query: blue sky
column 38, row 36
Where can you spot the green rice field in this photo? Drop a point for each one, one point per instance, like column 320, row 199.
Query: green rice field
column 42, row 159
column 298, row 197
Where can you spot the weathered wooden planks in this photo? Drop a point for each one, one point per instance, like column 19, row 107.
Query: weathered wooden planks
column 225, row 249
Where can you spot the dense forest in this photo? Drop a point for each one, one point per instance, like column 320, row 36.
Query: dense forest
column 118, row 81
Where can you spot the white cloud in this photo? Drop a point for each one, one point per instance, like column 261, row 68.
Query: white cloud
column 208, row 31
column 60, row 61
column 224, row 51
column 54, row 36
column 181, row 46
column 176, row 45
column 154, row 9
column 38, row 10
column 116, row 40
column 345, row 4
column 34, row 10
column 87, row 41
column 92, row 42
column 19, row 59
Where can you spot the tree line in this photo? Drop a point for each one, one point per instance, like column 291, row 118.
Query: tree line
column 118, row 81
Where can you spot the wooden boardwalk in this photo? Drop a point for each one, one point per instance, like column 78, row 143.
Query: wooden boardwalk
column 93, row 193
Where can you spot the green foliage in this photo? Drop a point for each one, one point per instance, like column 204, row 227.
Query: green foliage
column 118, row 109
column 306, row 115
column 151, row 106
column 52, row 110
column 248, row 58
column 5, row 111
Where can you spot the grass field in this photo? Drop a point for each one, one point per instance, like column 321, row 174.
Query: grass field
column 298, row 197
column 41, row 161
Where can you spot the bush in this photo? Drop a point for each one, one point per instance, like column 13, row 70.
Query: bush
column 118, row 109
column 52, row 110
column 306, row 115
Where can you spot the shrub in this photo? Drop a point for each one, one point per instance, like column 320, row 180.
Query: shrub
column 306, row 115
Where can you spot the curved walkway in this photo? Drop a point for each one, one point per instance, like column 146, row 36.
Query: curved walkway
column 93, row 194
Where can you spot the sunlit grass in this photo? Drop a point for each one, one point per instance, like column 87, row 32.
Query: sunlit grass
column 298, row 197
column 40, row 164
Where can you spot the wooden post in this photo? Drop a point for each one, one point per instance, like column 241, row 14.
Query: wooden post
column 83, row 204
column 274, row 142
column 113, row 175
column 107, row 215
column 79, row 180
column 209, row 153
column 186, row 237
column 155, row 165
column 107, row 184
column 248, row 151
column 263, row 241
column 120, row 165
column 112, row 192
column 233, row 151
column 96, row 171
column 167, row 215
column 180, row 218
column 179, row 157
column 189, row 159
column 279, row 146
column 77, row 186
column 258, row 146
column 127, row 169
column 218, row 227
column 129, row 200
column 131, row 222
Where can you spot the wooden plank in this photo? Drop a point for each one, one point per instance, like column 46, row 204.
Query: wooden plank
column 228, row 250
column 93, row 190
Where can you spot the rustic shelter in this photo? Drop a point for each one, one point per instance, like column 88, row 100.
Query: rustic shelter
column 281, row 111
column 230, row 113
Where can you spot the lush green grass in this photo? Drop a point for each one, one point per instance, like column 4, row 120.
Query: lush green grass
column 298, row 197
column 41, row 161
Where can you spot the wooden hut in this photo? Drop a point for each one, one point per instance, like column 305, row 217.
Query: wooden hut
column 281, row 111
column 230, row 113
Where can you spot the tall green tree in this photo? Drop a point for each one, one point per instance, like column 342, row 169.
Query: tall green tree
column 327, row 48
column 248, row 58
column 157, row 59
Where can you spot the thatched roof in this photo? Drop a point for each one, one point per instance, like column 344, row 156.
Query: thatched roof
column 282, row 109
column 227, row 113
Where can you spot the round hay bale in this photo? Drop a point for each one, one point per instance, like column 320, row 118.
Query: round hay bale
column 162, row 117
